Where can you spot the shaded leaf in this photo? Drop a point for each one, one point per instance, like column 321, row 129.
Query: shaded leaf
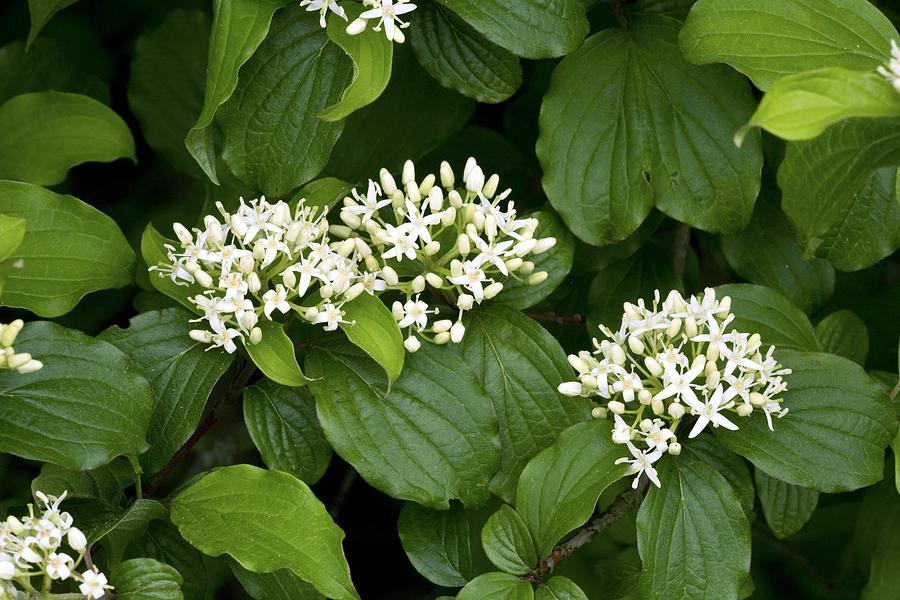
column 787, row 507
column 507, row 542
column 761, row 310
column 496, row 586
column 146, row 579
column 41, row 12
column 845, row 334
column 437, row 543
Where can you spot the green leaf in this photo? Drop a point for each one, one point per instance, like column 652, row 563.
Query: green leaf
column 787, row 507
column 280, row 585
column 274, row 355
column 324, row 192
column 527, row 28
column 508, row 543
column 803, row 105
column 374, row 137
column 834, row 436
column 181, row 373
column 239, row 27
column 12, row 232
column 728, row 464
column 693, row 536
column 371, row 53
column 559, row 488
column 560, row 588
column 44, row 134
column 628, row 124
column 283, row 425
column 520, row 366
column 146, row 579
column 437, row 543
column 266, row 520
column 163, row 542
column 637, row 276
column 50, row 64
column 884, row 570
column 116, row 534
column 41, row 12
column 86, row 406
column 165, row 90
column 103, row 483
column 557, row 262
column 496, row 586
column 154, row 253
column 433, row 438
column 375, row 330
column 764, row 39
column 69, row 250
column 766, row 253
column 840, row 194
column 761, row 310
column 845, row 334
column 461, row 59
column 272, row 139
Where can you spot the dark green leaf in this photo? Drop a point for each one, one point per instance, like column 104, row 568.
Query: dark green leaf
column 154, row 253
column 103, row 483
column 845, row 334
column 834, row 436
column 496, row 586
column 437, row 543
column 180, row 371
column 375, row 330
column 560, row 588
column 728, row 464
column 48, row 64
column 761, row 310
column 433, row 438
column 116, row 533
column 520, row 366
column 764, row 39
column 787, row 507
column 508, row 542
column 274, row 355
column 283, row 424
column 87, row 405
column 628, row 124
column 41, row 13
column 146, row 579
column 163, row 542
column 266, row 520
column 280, row 585
column 461, row 59
column 324, row 192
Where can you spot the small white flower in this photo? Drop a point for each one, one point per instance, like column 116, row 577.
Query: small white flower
column 622, row 431
column 323, row 6
column 414, row 312
column 94, row 584
column 388, row 13
column 679, row 384
column 275, row 299
column 404, row 244
column 59, row 566
column 892, row 71
column 472, row 279
column 369, row 204
column 332, row 316
column 419, row 223
column 628, row 384
column 710, row 412
column 7, row 567
column 642, row 464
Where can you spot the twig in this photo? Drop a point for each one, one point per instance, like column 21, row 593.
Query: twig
column 185, row 449
column 341, row 497
column 559, row 319
column 893, row 393
column 624, row 504
column 680, row 247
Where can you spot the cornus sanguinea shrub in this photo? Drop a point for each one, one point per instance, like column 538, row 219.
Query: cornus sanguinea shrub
column 432, row 299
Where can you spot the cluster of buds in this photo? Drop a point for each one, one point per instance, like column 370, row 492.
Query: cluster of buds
column 891, row 72
column 33, row 547
column 260, row 260
column 462, row 243
column 671, row 362
column 9, row 359
column 386, row 13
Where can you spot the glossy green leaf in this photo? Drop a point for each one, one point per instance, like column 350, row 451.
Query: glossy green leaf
column 104, row 484
column 787, row 507
column 69, row 250
column 508, row 543
column 839, row 192
column 274, row 355
column 116, row 533
column 272, row 139
column 12, row 232
column 165, row 90
column 693, row 536
column 239, row 510
column 433, row 438
column 875, row 540
column 154, row 252
column 239, row 27
column 628, row 124
column 371, row 53
column 728, row 464
column 49, row 64
column 146, row 579
column 437, row 543
column 41, row 12
column 181, row 373
column 845, row 334
column 559, row 488
column 461, row 59
column 324, row 192
column 560, row 588
column 163, row 542
column 520, row 366
column 557, row 262
column 44, row 134
column 87, row 405
column 375, row 330
column 496, row 586
column 834, row 437
column 283, row 425
column 766, row 253
column 528, row 28
column 803, row 105
column 280, row 585
column 761, row 310
column 764, row 39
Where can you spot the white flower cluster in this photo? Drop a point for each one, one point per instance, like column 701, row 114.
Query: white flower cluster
column 463, row 242
column 259, row 260
column 892, row 71
column 9, row 359
column 32, row 547
column 386, row 12
column 673, row 361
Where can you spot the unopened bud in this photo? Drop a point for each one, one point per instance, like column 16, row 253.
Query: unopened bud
column 645, row 397
column 289, row 278
column 569, row 388
column 409, row 172
column 636, row 345
column 203, row 278
column 455, row 199
column 432, row 248
column 357, row 27
column 418, row 284
column 434, row 280
column 617, row 354
column 448, row 217
column 253, row 283
column 465, row 302
column 536, row 278
column 493, row 289
column 447, row 178
column 371, row 263
column 30, row 367
column 674, row 327
column 457, row 332
column 463, row 244
column 389, row 275
column 355, row 290
column 427, row 185
column 543, row 245
column 490, row 186
column 646, row 425
column 388, row 185
column 513, row 264
column 598, row 412
column 442, row 326
column 744, row 410
column 442, row 338
column 76, row 539
column 676, row 410
column 181, row 232
column 652, row 366
column 397, row 310
column 690, row 327
column 353, row 221
column 674, row 448
column 616, row 407
column 435, row 199
column 758, row 399
column 201, row 335
column 526, row 268
column 256, row 335
column 657, row 406
column 412, row 344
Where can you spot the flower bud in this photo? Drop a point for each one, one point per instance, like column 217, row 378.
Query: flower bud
column 598, row 412
column 246, row 264
column 674, row 448
column 201, row 335
column 712, row 353
column 588, row 381
column 427, row 185
column 490, row 226
column 432, row 248
column 524, row 247
column 465, row 302
column 409, row 172
column 538, row 277
column 578, row 363
column 203, row 278
column 617, row 354
column 397, row 310
column 371, row 263
column 77, row 540
column 256, row 335
column 513, row 264
column 676, row 410
column 674, row 327
column 712, row 380
column 457, row 332
column 478, row 220
column 357, row 27
column 238, row 226
column 15, row 525
column 631, row 311
column 17, row 360
column 442, row 326
column 456, row 268
column 448, row 217
column 455, row 199
column 636, row 345
column 253, row 283
column 434, row 280
column 490, row 186
column 616, row 407
column 646, row 425
column 355, row 290
column 657, row 406
column 652, row 366
column 30, row 367
column 352, row 221
column 543, row 245
column 281, row 214
column 463, row 244
column 442, row 338
column 435, row 199
column 475, row 179
column 412, row 192
column 389, row 275
column 526, row 268
column 346, row 247
column 645, row 397
column 249, row 319
column 757, row 399
column 412, row 344
column 311, row 313
column 493, row 289
column 699, row 362
column 289, row 278
column 181, row 232
column 447, row 178
column 690, row 327
column 725, row 304
column 326, row 291
column 418, row 284
column 744, row 410
column 387, row 182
